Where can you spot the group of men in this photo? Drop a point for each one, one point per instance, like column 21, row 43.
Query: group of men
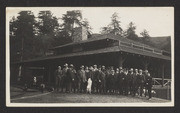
column 104, row 80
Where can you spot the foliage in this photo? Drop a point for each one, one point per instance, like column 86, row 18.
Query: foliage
column 106, row 30
column 48, row 23
column 48, row 28
column 167, row 47
column 145, row 35
column 22, row 30
column 130, row 32
column 32, row 36
column 71, row 18
column 114, row 27
column 86, row 24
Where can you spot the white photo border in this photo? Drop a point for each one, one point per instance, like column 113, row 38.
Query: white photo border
column 143, row 104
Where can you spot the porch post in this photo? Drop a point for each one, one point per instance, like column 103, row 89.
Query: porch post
column 145, row 63
column 146, row 66
column 121, row 60
column 49, row 74
column 162, row 73
column 19, row 73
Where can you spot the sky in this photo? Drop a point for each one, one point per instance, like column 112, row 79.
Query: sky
column 158, row 21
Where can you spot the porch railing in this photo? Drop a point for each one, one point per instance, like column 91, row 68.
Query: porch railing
column 159, row 81
column 144, row 48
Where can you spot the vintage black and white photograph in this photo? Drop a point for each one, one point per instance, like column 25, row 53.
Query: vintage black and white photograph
column 89, row 56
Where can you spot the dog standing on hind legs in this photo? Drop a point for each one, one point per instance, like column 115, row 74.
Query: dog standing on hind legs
column 89, row 85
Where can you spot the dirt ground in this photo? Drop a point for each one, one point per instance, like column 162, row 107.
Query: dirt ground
column 34, row 96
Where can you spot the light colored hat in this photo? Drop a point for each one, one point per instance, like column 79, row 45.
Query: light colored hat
column 86, row 67
column 71, row 65
column 140, row 70
column 91, row 68
column 95, row 65
column 82, row 66
column 65, row 64
column 120, row 68
column 146, row 70
column 131, row 69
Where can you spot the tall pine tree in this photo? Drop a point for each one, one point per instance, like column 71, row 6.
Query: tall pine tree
column 48, row 28
column 114, row 27
column 131, row 32
column 22, row 31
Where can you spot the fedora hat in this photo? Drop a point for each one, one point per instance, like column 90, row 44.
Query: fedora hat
column 71, row 65
column 131, row 69
column 82, row 66
column 65, row 64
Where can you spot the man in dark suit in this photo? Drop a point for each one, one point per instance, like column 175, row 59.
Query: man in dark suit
column 83, row 79
column 58, row 76
column 103, row 79
column 134, row 82
column 130, row 81
column 78, row 80
column 119, row 79
column 99, row 80
column 125, row 82
column 87, row 71
column 140, row 82
column 145, row 73
column 64, row 76
column 108, row 72
column 116, row 82
column 95, row 79
column 149, row 85
column 112, row 81
column 90, row 75
column 70, row 78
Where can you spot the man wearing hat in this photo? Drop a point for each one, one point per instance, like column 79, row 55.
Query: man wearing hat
column 112, row 81
column 145, row 75
column 95, row 79
column 116, row 80
column 95, row 67
column 99, row 79
column 148, row 85
column 78, row 80
column 140, row 82
column 124, row 82
column 119, row 79
column 87, row 71
column 103, row 79
column 130, row 80
column 71, row 78
column 90, row 75
column 108, row 73
column 74, row 84
column 83, row 79
column 120, row 68
column 64, row 77
column 58, row 76
column 134, row 82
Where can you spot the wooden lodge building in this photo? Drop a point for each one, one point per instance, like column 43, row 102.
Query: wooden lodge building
column 108, row 50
